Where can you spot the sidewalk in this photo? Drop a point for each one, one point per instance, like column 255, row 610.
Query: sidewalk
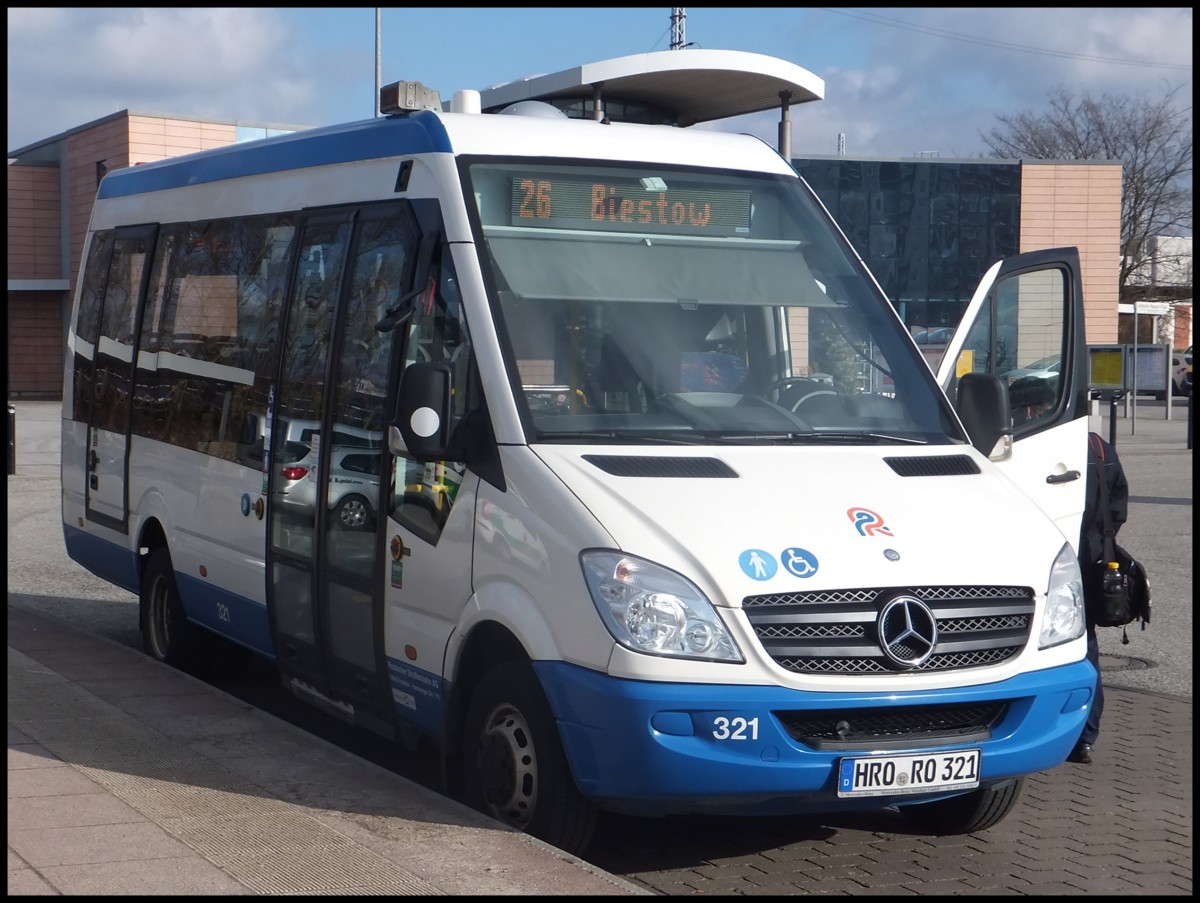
column 126, row 776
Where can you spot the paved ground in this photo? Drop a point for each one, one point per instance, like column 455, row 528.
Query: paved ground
column 126, row 776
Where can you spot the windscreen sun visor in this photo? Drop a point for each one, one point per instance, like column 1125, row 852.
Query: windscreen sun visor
column 538, row 264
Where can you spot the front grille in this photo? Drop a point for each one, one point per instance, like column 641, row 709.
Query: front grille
column 835, row 632
column 897, row 726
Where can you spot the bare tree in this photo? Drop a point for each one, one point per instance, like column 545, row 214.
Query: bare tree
column 1152, row 139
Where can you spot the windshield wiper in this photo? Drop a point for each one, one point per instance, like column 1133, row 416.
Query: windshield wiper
column 856, row 438
column 619, row 437
column 688, row 437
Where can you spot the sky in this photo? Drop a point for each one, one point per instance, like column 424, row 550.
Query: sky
column 899, row 82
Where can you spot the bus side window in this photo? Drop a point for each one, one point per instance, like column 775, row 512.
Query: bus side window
column 113, row 387
column 87, row 330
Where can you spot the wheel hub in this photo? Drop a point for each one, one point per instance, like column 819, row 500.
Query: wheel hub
column 508, row 768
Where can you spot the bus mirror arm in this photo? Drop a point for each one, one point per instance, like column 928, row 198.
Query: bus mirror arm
column 400, row 312
column 396, row 443
column 421, row 429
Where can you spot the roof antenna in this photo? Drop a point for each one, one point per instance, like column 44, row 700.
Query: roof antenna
column 678, row 27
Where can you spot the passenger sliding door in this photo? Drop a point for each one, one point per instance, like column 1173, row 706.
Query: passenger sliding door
column 325, row 594
column 1025, row 324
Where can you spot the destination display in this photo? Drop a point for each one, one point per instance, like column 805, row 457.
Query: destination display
column 636, row 205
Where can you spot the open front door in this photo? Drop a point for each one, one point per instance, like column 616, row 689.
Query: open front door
column 1025, row 325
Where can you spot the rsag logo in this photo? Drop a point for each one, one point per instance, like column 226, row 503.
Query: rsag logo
column 867, row 522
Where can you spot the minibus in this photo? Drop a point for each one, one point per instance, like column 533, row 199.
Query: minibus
column 669, row 513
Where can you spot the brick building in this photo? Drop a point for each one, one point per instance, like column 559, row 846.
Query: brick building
column 51, row 187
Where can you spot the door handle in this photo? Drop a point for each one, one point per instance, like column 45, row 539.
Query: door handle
column 1068, row 477
column 93, row 459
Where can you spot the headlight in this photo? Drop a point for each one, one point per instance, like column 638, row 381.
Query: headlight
column 1063, row 618
column 650, row 609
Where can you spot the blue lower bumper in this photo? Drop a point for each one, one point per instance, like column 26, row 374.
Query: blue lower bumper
column 662, row 748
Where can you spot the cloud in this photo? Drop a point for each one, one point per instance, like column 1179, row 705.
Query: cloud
column 920, row 80
column 212, row 63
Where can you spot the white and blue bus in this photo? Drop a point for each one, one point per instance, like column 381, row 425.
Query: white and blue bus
column 658, row 507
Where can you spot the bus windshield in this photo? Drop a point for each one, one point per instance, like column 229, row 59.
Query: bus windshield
column 643, row 304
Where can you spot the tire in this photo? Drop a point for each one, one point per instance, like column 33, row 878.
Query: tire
column 514, row 767
column 354, row 513
column 978, row 810
column 167, row 635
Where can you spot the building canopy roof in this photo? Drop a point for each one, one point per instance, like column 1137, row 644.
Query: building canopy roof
column 695, row 85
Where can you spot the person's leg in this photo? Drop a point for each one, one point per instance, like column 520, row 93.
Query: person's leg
column 1091, row 730
column 1082, row 753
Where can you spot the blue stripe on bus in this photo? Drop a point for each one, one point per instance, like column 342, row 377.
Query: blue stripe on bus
column 370, row 139
column 418, row 696
column 240, row 619
column 105, row 559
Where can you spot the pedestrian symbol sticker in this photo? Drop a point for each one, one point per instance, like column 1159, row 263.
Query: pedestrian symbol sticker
column 757, row 564
column 799, row 562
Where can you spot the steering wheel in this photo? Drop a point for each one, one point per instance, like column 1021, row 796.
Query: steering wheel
column 748, row 412
column 777, row 388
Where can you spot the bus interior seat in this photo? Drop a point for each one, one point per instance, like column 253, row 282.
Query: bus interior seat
column 711, row 371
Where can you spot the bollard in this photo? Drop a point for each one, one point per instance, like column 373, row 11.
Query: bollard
column 1112, row 420
column 12, row 439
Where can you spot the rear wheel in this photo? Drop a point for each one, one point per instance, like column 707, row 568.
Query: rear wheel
column 975, row 811
column 514, row 767
column 170, row 637
column 166, row 633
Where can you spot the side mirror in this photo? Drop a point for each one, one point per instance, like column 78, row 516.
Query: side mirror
column 982, row 405
column 422, row 426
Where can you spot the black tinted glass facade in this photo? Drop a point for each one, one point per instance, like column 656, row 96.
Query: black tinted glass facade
column 927, row 229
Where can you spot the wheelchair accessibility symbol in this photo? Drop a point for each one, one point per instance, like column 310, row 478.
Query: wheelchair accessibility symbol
column 799, row 562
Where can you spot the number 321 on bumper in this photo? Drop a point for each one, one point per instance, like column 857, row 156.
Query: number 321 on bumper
column 885, row 775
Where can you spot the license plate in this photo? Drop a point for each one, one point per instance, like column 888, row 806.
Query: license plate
column 891, row 775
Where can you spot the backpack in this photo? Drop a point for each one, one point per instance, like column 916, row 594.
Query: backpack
column 1129, row 599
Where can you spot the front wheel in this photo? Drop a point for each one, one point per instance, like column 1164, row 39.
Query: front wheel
column 975, row 811
column 514, row 767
